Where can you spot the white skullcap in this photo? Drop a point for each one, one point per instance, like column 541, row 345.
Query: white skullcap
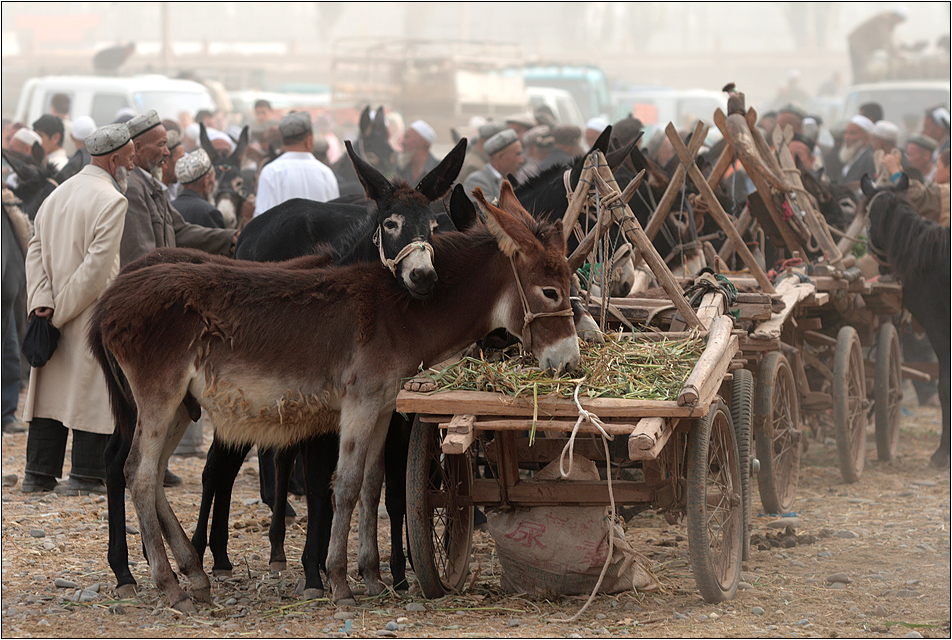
column 193, row 131
column 863, row 123
column 885, row 130
column 83, row 126
column 426, row 132
column 215, row 134
column 597, row 123
column 29, row 137
column 941, row 116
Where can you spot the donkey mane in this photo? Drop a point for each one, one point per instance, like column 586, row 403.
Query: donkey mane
column 914, row 245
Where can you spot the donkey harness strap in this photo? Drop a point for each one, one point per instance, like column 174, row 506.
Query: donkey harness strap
column 529, row 315
column 415, row 245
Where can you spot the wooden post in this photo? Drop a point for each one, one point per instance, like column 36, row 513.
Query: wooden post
column 718, row 213
column 604, row 179
column 742, row 140
column 578, row 198
column 845, row 245
column 742, row 223
column 459, row 434
column 648, row 438
column 706, row 376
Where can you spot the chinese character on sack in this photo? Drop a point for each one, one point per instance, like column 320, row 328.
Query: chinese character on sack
column 527, row 534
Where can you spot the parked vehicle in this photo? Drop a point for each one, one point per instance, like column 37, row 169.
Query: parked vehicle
column 904, row 103
column 560, row 101
column 101, row 97
column 656, row 106
column 587, row 84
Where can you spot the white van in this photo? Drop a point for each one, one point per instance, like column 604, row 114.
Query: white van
column 101, row 97
column 560, row 101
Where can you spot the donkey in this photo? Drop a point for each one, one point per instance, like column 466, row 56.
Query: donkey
column 373, row 145
column 233, row 188
column 917, row 250
column 279, row 352
column 36, row 180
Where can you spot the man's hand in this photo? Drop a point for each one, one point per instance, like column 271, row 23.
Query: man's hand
column 43, row 312
column 893, row 161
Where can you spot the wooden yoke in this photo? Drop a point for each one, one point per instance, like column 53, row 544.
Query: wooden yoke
column 717, row 212
column 608, row 187
column 735, row 129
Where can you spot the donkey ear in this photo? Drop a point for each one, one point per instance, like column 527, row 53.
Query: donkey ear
column 39, row 155
column 867, row 186
column 437, row 182
column 602, row 142
column 903, row 183
column 70, row 169
column 462, row 212
column 239, row 153
column 618, row 156
column 510, row 232
column 206, row 143
column 365, row 123
column 25, row 172
column 376, row 186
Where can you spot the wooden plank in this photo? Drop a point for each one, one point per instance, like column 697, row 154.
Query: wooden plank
column 924, row 371
column 705, row 378
column 459, row 434
column 649, row 437
column 814, row 336
column 485, row 403
column 555, row 426
column 716, row 211
column 534, row 493
column 743, row 222
column 791, row 292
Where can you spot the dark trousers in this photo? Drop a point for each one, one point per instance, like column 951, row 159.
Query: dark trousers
column 46, row 449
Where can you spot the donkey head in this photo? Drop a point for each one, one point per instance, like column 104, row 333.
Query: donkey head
column 35, row 179
column 405, row 219
column 374, row 141
column 539, row 311
column 232, row 189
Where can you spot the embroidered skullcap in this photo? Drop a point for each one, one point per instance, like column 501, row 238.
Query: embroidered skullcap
column 145, row 122
column 192, row 166
column 523, row 119
column 107, row 139
column 885, row 130
column 175, row 139
column 540, row 136
column 295, row 124
column 566, row 134
column 490, row 129
column 29, row 137
column 426, row 132
column 863, row 123
column 500, row 141
column 924, row 141
column 597, row 123
column 82, row 127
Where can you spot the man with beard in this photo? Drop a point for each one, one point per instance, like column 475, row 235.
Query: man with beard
column 856, row 154
column 72, row 257
column 194, row 171
column 151, row 222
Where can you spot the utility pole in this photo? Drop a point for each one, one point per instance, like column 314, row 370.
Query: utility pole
column 166, row 37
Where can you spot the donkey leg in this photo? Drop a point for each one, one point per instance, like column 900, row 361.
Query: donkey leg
column 941, row 456
column 368, row 551
column 320, row 459
column 395, row 467
column 117, row 450
column 283, row 463
column 218, row 479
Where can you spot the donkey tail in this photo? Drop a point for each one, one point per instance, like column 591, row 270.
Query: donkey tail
column 121, row 401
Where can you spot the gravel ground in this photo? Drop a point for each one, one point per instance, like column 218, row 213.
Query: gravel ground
column 870, row 559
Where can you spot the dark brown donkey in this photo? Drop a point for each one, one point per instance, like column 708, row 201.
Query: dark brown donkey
column 276, row 353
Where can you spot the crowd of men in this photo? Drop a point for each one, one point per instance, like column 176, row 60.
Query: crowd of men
column 147, row 183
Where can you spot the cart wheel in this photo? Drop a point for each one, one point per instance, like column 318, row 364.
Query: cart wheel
column 742, row 409
column 439, row 512
column 777, row 435
column 888, row 391
column 714, row 506
column 849, row 403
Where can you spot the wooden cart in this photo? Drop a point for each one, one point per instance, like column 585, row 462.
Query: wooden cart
column 683, row 455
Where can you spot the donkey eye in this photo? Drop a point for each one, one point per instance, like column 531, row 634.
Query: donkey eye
column 551, row 293
column 390, row 225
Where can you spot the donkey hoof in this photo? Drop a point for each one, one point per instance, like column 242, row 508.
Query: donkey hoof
column 202, row 594
column 185, row 605
column 940, row 459
column 222, row 573
column 278, row 566
column 127, row 590
column 375, row 588
column 313, row 594
column 346, row 602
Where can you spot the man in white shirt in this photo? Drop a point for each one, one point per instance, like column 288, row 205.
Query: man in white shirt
column 296, row 173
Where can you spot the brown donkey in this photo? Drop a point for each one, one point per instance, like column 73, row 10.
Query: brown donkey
column 279, row 352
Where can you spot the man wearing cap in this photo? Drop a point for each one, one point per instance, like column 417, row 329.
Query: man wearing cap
column 196, row 174
column 802, row 147
column 176, row 151
column 936, row 126
column 791, row 115
column 416, row 142
column 82, row 129
column 151, row 221
column 856, row 154
column 22, row 142
column 505, row 157
column 537, row 145
column 919, row 150
column 296, row 173
column 51, row 131
column 72, row 257
column 476, row 156
column 567, row 146
column 520, row 123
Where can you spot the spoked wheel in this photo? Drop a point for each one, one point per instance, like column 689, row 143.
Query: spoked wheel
column 714, row 506
column 888, row 391
column 777, row 434
column 439, row 512
column 849, row 404
column 742, row 409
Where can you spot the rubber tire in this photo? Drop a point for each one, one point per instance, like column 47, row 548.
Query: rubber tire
column 742, row 417
column 440, row 563
column 849, row 386
column 888, row 391
column 779, row 472
column 713, row 457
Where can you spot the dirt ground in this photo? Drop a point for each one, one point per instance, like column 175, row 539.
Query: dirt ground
column 888, row 533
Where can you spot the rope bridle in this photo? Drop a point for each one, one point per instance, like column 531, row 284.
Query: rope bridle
column 529, row 315
column 417, row 244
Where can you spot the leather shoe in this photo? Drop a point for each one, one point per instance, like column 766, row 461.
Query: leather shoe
column 171, row 480
column 37, row 483
column 81, row 487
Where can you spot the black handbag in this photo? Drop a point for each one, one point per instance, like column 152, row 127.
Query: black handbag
column 40, row 340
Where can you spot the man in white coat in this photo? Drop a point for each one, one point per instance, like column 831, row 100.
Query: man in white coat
column 73, row 256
